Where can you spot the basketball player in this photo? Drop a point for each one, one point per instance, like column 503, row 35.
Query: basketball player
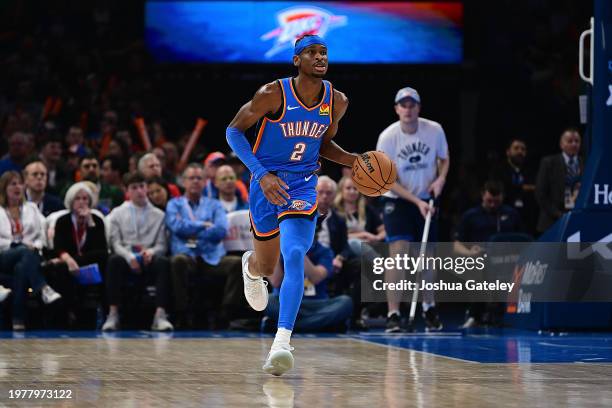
column 419, row 149
column 296, row 118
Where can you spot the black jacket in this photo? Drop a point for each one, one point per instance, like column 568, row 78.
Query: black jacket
column 338, row 235
column 550, row 190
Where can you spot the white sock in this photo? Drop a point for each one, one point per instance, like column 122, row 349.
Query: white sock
column 426, row 306
column 394, row 311
column 283, row 336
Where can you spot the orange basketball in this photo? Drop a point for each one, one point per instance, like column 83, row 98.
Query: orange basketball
column 373, row 173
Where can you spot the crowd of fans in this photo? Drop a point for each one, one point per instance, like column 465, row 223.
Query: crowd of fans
column 73, row 229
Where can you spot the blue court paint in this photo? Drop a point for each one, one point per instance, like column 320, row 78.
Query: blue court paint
column 507, row 346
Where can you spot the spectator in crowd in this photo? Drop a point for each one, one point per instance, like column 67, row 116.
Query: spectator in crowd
column 118, row 148
column 112, row 169
column 79, row 240
column 51, row 156
column 229, row 196
column 133, row 162
column 362, row 221
column 150, row 166
column 172, row 159
column 160, row 153
column 518, row 183
column 239, row 238
column 197, row 227
column 109, row 196
column 491, row 217
column 18, row 151
column 75, row 141
column 157, row 191
column 35, row 175
column 318, row 312
column 138, row 240
column 211, row 164
column 21, row 240
column 479, row 224
column 558, row 180
column 332, row 233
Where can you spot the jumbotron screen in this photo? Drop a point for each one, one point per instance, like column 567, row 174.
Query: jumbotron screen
column 264, row 32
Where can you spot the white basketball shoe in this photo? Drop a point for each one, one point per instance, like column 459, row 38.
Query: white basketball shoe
column 280, row 359
column 255, row 290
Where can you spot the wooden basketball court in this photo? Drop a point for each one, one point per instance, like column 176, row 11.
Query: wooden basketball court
column 143, row 369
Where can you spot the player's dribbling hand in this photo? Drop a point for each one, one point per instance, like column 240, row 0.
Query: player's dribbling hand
column 274, row 189
column 424, row 208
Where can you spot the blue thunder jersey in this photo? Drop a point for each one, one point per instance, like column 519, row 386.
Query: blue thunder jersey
column 292, row 141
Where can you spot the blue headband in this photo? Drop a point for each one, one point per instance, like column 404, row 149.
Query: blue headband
column 306, row 42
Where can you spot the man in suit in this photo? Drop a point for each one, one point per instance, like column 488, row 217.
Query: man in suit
column 558, row 180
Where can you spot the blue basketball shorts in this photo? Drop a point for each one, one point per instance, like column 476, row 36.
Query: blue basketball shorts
column 404, row 222
column 266, row 217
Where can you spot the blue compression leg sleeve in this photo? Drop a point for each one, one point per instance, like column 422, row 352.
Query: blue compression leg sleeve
column 296, row 235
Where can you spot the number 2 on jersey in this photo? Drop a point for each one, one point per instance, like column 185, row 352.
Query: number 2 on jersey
column 298, row 151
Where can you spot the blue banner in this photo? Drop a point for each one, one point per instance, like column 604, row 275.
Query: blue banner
column 264, row 32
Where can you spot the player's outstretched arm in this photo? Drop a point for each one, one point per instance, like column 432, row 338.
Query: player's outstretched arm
column 329, row 149
column 267, row 99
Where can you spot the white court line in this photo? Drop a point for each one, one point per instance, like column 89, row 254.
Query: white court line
column 428, row 335
column 543, row 343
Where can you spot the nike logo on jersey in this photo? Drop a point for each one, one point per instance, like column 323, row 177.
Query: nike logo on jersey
column 292, row 107
column 307, row 178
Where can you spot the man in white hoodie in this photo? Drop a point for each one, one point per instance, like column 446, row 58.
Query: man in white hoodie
column 138, row 239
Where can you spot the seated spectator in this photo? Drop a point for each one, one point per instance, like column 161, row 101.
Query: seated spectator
column 133, row 162
column 138, row 240
column 172, row 159
column 197, row 227
column 51, row 156
column 35, row 175
column 75, row 141
column 157, row 191
column 150, row 166
column 558, row 179
column 109, row 196
column 21, row 239
column 118, row 148
column 160, row 153
column 332, row 233
column 518, row 182
column 229, row 195
column 112, row 169
column 239, row 238
column 491, row 217
column 79, row 240
column 318, row 312
column 362, row 221
column 211, row 164
column 479, row 224
column 18, row 151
